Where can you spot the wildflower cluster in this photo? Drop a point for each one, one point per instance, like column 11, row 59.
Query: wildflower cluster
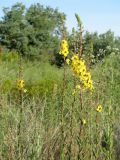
column 64, row 48
column 99, row 108
column 67, row 61
column 79, row 69
column 84, row 121
column 20, row 84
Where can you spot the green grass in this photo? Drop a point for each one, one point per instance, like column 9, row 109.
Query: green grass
column 39, row 137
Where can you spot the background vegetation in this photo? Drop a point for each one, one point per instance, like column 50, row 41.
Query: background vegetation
column 34, row 33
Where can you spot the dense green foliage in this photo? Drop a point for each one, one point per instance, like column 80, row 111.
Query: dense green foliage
column 103, row 44
column 35, row 32
column 96, row 46
column 30, row 31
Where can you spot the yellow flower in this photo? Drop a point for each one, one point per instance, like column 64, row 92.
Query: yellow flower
column 99, row 108
column 25, row 90
column 84, row 121
column 63, row 42
column 78, row 87
column 67, row 61
column 79, row 69
column 64, row 48
column 20, row 84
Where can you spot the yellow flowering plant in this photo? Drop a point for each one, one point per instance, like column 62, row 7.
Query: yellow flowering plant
column 84, row 121
column 99, row 108
column 79, row 69
column 20, row 84
column 64, row 48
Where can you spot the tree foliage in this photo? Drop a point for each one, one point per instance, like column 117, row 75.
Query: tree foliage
column 103, row 44
column 30, row 31
column 35, row 32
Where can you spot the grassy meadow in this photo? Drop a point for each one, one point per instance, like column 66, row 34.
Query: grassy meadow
column 33, row 126
column 59, row 90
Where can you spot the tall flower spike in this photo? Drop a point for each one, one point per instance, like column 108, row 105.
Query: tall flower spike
column 20, row 84
column 79, row 69
column 64, row 48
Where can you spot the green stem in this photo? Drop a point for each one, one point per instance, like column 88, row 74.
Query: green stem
column 62, row 114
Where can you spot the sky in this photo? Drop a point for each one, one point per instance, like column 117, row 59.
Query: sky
column 96, row 15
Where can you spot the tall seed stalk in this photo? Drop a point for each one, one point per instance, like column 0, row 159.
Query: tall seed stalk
column 20, row 77
column 73, row 103
column 62, row 156
column 80, row 52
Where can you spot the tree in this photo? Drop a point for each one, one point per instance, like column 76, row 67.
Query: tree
column 101, row 43
column 11, row 26
column 31, row 31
